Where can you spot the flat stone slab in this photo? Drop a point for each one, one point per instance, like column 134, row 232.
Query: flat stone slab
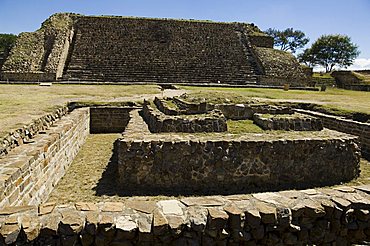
column 203, row 201
column 171, row 207
column 142, row 206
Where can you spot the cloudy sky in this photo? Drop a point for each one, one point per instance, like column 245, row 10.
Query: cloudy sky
column 314, row 17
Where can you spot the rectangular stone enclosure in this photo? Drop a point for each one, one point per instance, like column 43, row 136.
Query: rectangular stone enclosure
column 237, row 166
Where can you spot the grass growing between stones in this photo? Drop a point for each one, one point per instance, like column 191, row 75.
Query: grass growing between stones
column 242, row 126
column 344, row 100
column 20, row 104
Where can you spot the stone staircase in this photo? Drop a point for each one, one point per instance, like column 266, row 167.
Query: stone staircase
column 159, row 51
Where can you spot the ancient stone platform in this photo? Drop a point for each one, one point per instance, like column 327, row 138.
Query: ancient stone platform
column 338, row 216
column 222, row 163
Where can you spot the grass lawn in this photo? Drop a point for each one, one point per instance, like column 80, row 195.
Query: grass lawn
column 20, row 104
column 345, row 100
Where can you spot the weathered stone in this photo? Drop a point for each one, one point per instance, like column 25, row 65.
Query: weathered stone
column 217, row 218
column 203, row 201
column 112, row 207
column 197, row 218
column 142, row 206
column 14, row 210
column 171, row 207
column 253, row 218
column 236, row 216
column 126, row 228
column 86, row 206
column 160, row 223
column 267, row 212
column 71, row 223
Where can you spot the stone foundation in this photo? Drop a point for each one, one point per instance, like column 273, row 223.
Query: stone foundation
column 109, row 119
column 309, row 217
column 360, row 129
column 221, row 166
column 24, row 134
column 159, row 122
column 29, row 172
column 290, row 122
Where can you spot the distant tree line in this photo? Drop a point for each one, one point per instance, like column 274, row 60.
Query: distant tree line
column 327, row 51
column 7, row 41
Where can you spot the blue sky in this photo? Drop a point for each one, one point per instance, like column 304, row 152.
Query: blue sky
column 314, row 17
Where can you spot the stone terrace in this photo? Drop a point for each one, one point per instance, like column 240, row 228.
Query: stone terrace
column 149, row 50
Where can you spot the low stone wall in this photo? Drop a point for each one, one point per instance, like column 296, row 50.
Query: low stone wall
column 236, row 111
column 27, row 76
column 309, row 217
column 109, row 119
column 357, row 87
column 293, row 122
column 26, row 133
column 191, row 108
column 360, row 129
column 29, row 172
column 271, row 109
column 159, row 122
column 234, row 166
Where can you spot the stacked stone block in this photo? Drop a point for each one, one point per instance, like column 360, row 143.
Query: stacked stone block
column 360, row 129
column 109, row 119
column 26, row 133
column 29, row 172
column 308, row 217
column 158, row 50
column 157, row 121
column 291, row 122
column 206, row 166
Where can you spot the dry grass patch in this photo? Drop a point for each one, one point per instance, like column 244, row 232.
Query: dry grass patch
column 20, row 104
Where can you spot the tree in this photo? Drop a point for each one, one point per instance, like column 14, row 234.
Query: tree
column 6, row 42
column 307, row 58
column 289, row 39
column 331, row 50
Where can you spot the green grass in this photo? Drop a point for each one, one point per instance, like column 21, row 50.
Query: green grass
column 242, row 126
column 322, row 75
column 332, row 98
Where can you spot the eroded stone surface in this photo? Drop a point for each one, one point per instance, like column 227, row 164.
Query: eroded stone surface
column 307, row 216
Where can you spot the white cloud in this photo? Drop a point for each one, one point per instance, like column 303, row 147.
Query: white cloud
column 360, row 64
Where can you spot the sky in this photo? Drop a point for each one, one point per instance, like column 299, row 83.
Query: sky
column 313, row 17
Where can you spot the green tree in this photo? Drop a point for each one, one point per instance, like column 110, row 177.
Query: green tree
column 329, row 51
column 6, row 42
column 288, row 39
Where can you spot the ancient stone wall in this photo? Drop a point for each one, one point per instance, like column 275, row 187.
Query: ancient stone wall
column 291, row 122
column 109, row 119
column 26, row 133
column 280, row 68
column 40, row 55
column 360, row 129
column 308, row 217
column 236, row 111
column 29, row 172
column 234, row 166
column 157, row 50
column 157, row 121
column 263, row 41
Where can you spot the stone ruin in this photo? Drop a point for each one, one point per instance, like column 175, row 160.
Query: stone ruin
column 72, row 47
column 174, row 160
